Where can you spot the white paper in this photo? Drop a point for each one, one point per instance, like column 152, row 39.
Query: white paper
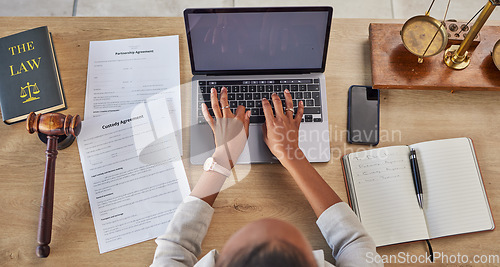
column 455, row 201
column 123, row 73
column 385, row 192
column 133, row 172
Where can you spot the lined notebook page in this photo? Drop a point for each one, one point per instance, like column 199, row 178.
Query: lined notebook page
column 454, row 198
column 386, row 199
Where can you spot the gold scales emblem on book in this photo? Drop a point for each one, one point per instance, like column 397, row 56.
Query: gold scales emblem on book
column 30, row 88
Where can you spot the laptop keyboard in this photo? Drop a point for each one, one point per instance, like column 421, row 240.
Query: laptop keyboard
column 249, row 93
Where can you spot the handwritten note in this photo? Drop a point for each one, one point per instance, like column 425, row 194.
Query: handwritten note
column 383, row 193
column 386, row 198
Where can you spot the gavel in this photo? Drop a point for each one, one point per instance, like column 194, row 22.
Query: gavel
column 58, row 131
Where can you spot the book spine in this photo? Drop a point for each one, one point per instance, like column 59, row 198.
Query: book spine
column 57, row 74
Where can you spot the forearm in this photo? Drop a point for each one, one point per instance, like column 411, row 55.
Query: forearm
column 210, row 182
column 317, row 192
column 181, row 243
column 208, row 187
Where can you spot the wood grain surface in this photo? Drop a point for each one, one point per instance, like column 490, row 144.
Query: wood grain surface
column 407, row 116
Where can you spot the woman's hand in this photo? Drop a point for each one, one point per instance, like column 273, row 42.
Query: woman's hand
column 281, row 130
column 230, row 130
column 281, row 134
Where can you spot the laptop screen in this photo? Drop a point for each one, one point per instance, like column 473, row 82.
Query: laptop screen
column 258, row 40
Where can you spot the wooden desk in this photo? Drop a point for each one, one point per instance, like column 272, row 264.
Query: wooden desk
column 268, row 191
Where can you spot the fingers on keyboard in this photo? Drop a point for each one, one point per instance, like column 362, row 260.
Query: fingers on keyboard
column 251, row 93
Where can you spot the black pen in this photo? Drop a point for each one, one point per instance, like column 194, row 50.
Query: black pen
column 416, row 178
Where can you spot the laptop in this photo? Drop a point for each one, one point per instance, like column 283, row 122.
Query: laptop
column 255, row 52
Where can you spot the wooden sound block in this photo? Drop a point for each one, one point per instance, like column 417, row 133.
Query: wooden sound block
column 394, row 67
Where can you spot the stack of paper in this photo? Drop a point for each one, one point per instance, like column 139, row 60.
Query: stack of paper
column 130, row 140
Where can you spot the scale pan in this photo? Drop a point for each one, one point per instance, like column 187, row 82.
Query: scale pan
column 496, row 54
column 418, row 32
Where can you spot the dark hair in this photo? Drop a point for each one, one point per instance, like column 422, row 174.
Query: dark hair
column 276, row 253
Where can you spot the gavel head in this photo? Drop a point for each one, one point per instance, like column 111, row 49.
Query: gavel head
column 54, row 124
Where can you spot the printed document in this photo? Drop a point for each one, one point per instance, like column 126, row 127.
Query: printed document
column 133, row 172
column 123, row 73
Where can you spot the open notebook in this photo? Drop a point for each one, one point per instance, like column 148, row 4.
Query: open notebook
column 382, row 194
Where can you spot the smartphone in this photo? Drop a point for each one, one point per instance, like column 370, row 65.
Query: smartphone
column 363, row 112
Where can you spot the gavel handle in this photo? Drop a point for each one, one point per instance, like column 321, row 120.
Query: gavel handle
column 47, row 205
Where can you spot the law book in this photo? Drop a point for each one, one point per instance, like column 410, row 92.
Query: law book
column 381, row 191
column 29, row 76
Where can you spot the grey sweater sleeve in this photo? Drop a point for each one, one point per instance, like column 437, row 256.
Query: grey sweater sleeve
column 181, row 243
column 351, row 245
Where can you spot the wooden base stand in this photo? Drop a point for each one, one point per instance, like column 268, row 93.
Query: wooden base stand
column 393, row 67
column 63, row 141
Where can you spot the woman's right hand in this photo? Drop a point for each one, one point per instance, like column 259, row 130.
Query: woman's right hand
column 230, row 130
column 281, row 134
column 281, row 129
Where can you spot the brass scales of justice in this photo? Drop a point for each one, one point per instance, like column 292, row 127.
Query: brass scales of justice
column 28, row 88
column 426, row 53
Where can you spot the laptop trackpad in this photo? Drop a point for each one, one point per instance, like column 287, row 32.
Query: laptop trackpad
column 256, row 150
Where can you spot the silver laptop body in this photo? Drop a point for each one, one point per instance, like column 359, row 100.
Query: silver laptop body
column 203, row 25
